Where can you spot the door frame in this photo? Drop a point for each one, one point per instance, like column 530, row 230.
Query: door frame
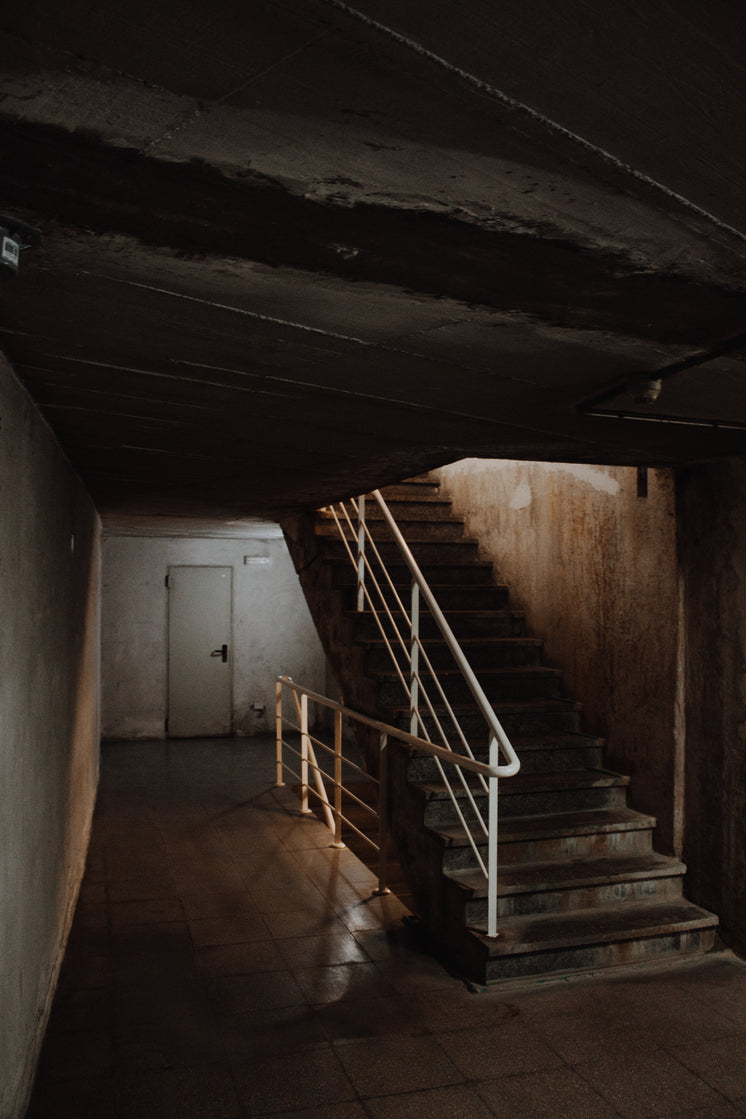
column 231, row 713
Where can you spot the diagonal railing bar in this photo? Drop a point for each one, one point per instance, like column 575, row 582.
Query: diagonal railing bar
column 425, row 695
column 495, row 727
column 416, row 677
column 428, row 664
column 443, row 698
column 367, row 598
column 365, row 533
column 416, row 681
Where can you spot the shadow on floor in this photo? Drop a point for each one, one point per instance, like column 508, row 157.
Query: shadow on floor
column 224, row 962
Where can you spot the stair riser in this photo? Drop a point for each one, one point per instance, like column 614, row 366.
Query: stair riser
column 557, row 760
column 471, row 577
column 402, row 509
column 497, row 689
column 531, row 723
column 411, row 491
column 560, row 759
column 635, row 951
column 511, row 654
column 598, row 845
column 425, row 552
column 566, row 901
column 442, row 812
column 472, row 625
column 440, row 531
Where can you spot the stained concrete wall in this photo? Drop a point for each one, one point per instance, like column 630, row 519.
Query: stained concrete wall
column 712, row 547
column 49, row 722
column 594, row 567
column 272, row 629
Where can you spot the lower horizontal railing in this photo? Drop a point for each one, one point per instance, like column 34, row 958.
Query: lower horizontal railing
column 315, row 780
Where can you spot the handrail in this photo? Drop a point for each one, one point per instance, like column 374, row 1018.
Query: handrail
column 385, row 731
column 403, row 736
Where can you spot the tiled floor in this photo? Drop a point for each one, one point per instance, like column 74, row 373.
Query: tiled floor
column 225, row 962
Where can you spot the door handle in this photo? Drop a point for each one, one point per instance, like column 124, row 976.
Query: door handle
column 221, row 652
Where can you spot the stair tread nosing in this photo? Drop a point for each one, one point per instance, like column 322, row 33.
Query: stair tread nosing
column 466, row 642
column 538, row 671
column 562, row 740
column 528, row 878
column 405, row 585
column 626, row 921
column 406, row 498
column 517, row 706
column 555, row 825
column 566, row 740
column 534, row 783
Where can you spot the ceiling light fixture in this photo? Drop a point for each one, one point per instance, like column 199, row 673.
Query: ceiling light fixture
column 644, row 389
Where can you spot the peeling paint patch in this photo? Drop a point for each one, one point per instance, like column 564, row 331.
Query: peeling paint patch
column 522, row 497
column 595, row 477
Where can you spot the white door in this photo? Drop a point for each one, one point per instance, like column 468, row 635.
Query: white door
column 199, row 651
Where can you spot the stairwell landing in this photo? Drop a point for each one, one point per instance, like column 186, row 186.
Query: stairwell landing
column 580, row 884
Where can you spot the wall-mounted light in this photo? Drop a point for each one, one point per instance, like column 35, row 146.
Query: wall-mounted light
column 15, row 236
column 10, row 250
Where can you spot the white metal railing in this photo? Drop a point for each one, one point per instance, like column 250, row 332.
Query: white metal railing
column 431, row 713
column 332, row 807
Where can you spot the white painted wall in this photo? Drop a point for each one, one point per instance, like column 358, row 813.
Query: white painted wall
column 49, row 722
column 272, row 629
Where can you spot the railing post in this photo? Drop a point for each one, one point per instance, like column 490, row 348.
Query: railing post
column 278, row 733
column 414, row 671
column 305, row 743
column 361, row 553
column 492, row 847
column 338, row 844
column 383, row 814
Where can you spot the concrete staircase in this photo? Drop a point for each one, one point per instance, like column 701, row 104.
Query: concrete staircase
column 580, row 885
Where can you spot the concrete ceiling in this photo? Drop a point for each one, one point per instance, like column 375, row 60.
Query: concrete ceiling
column 293, row 249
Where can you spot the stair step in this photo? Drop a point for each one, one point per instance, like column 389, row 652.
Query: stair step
column 523, row 784
column 572, row 874
column 451, row 573
column 464, row 623
column 426, row 552
column 537, row 716
column 445, row 530
column 557, row 753
column 573, row 885
column 498, row 684
column 456, row 595
column 597, row 937
column 560, row 825
column 411, row 487
column 535, row 794
column 425, row 507
column 482, row 653
column 541, row 743
column 548, row 837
